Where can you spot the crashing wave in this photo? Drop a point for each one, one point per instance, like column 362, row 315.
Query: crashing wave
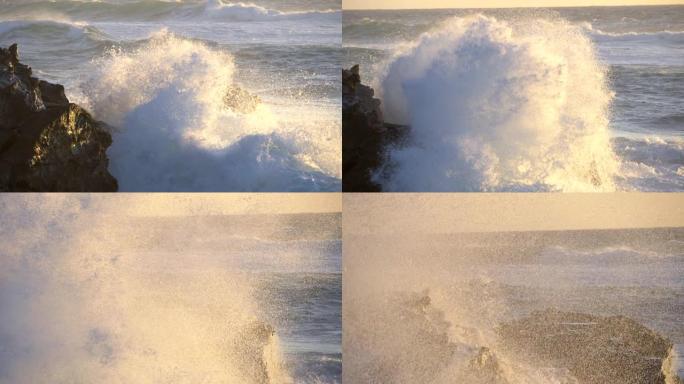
column 496, row 105
column 544, row 347
column 167, row 98
column 84, row 299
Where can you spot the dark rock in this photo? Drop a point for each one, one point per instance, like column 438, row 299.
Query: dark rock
column 594, row 349
column 47, row 143
column 365, row 135
column 52, row 94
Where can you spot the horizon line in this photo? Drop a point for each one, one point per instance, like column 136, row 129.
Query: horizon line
column 551, row 7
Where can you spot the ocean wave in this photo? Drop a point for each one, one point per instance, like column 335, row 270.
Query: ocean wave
column 650, row 163
column 212, row 10
column 217, row 9
column 366, row 29
column 91, row 10
column 617, row 255
column 655, row 36
column 68, row 31
column 496, row 105
column 175, row 133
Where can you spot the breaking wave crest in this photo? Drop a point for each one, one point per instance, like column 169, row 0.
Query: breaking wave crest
column 217, row 9
column 496, row 105
column 174, row 131
column 80, row 301
column 654, row 36
column 64, row 34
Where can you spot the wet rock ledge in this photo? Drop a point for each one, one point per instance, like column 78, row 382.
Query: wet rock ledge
column 47, row 143
column 594, row 349
column 365, row 135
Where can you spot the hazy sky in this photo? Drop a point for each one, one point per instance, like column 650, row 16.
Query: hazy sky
column 420, row 4
column 433, row 212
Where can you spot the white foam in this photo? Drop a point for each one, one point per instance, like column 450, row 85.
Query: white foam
column 496, row 105
column 174, row 132
column 85, row 299
column 239, row 11
column 650, row 163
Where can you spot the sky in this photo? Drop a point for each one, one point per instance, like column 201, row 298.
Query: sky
column 456, row 213
column 422, row 4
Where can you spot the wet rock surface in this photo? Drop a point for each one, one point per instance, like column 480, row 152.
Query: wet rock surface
column 594, row 349
column 46, row 142
column 365, row 135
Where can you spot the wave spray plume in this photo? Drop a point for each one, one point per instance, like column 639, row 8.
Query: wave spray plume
column 496, row 105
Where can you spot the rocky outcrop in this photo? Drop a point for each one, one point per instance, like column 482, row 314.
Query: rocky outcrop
column 366, row 136
column 594, row 349
column 47, row 143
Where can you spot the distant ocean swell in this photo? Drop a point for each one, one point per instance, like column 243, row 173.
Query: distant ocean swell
column 368, row 28
column 216, row 10
column 75, row 37
column 657, row 36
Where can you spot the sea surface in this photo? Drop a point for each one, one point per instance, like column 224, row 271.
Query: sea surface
column 528, row 99
column 156, row 72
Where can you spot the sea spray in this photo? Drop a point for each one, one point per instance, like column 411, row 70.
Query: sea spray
column 432, row 343
column 453, row 292
column 173, row 130
column 82, row 302
column 496, row 105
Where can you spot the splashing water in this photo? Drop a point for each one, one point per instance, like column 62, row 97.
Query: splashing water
column 175, row 132
column 80, row 303
column 497, row 105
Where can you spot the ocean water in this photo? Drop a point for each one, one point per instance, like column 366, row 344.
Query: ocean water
column 474, row 283
column 88, row 294
column 157, row 71
column 567, row 99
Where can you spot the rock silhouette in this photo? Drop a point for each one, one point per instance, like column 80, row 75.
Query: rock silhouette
column 47, row 144
column 365, row 134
